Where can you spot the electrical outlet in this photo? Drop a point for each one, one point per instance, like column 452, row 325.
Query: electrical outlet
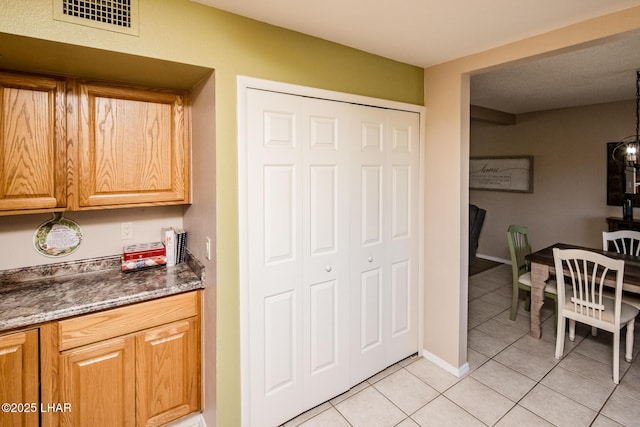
column 207, row 247
column 126, row 231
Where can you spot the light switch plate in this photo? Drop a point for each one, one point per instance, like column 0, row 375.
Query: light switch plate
column 126, row 231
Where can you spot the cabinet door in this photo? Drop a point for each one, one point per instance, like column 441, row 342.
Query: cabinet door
column 133, row 147
column 167, row 372
column 19, row 377
column 32, row 143
column 98, row 382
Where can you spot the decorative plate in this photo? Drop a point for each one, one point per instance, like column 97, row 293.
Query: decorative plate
column 57, row 237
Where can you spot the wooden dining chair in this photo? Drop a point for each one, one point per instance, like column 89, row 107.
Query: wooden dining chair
column 584, row 272
column 519, row 248
column 622, row 241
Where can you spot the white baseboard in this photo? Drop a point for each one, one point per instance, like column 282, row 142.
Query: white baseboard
column 194, row 420
column 458, row 372
column 495, row 259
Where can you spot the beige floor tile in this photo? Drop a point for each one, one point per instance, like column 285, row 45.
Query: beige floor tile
column 305, row 416
column 588, row 367
column 506, row 290
column 441, row 412
column 356, row 389
column 635, row 366
column 432, row 374
column 499, row 274
column 369, row 408
column 581, row 332
column 548, row 330
column 522, row 322
column 501, row 331
column 497, row 299
column 475, row 319
column 504, row 380
column 630, row 386
column 487, row 282
column 380, row 375
column 409, row 360
column 600, row 348
column 486, row 308
column 543, row 350
column 602, row 421
column 475, row 359
column 489, row 409
column 525, row 363
column 622, row 409
column 408, row 422
column 576, row 387
column 485, row 344
column 328, row 418
column 406, row 391
column 519, row 416
column 477, row 292
column 556, row 408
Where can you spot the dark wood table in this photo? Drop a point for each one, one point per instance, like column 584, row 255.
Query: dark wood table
column 542, row 264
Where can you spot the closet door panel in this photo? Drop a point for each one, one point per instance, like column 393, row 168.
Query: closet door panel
column 331, row 248
column 325, row 242
column 369, row 214
column 402, row 138
column 274, row 200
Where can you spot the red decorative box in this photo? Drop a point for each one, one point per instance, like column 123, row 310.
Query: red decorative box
column 145, row 250
column 138, row 257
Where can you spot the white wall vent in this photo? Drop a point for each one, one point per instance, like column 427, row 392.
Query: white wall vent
column 112, row 15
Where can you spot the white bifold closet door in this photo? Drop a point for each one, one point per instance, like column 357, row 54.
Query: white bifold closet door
column 332, row 253
column 384, row 242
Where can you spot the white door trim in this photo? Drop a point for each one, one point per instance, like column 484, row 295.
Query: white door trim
column 243, row 84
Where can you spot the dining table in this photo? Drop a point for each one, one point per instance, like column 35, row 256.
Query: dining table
column 542, row 267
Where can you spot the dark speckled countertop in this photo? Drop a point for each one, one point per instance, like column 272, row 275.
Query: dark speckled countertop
column 33, row 295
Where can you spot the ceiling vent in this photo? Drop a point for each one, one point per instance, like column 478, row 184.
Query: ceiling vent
column 112, row 15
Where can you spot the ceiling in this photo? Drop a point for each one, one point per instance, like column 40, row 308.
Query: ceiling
column 429, row 32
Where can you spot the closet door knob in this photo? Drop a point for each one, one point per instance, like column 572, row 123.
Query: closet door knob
column 328, row 268
column 370, row 259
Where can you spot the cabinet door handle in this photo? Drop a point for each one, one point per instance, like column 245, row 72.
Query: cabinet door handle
column 328, row 268
column 370, row 259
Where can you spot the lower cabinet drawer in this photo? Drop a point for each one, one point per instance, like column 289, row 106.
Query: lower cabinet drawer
column 102, row 325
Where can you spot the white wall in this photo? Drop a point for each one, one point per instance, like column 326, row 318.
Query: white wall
column 101, row 233
column 569, row 201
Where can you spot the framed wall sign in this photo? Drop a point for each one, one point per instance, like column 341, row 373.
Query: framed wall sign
column 501, row 174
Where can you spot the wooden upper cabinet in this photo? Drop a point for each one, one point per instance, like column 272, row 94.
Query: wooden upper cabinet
column 133, row 147
column 32, row 143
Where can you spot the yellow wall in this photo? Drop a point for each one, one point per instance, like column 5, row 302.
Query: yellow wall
column 186, row 32
column 447, row 173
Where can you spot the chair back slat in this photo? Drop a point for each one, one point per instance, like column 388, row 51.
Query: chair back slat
column 519, row 248
column 622, row 241
column 583, row 274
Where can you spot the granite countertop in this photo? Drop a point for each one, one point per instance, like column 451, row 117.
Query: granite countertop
column 33, row 295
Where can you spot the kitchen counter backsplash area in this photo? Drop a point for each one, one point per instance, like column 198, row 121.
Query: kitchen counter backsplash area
column 43, row 293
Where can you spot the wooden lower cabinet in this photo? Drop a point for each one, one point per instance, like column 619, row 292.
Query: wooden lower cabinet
column 167, row 373
column 19, row 379
column 97, row 381
column 145, row 378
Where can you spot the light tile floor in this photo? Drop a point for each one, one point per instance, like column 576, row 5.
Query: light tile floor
column 514, row 379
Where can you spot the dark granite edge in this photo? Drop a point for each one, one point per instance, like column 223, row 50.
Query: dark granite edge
column 111, row 262
column 89, row 265
column 48, row 316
